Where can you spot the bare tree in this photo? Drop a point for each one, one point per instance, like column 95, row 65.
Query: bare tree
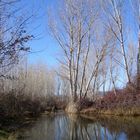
column 35, row 81
column 74, row 32
column 136, row 12
column 116, row 24
column 111, row 70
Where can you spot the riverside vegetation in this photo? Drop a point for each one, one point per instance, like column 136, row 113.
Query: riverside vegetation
column 98, row 70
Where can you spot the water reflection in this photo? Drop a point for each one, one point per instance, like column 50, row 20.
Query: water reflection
column 72, row 127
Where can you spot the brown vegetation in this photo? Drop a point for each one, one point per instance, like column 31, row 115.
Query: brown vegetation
column 126, row 102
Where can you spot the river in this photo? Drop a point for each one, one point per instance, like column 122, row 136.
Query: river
column 72, row 127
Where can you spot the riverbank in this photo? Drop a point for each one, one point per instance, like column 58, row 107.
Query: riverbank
column 124, row 103
column 133, row 111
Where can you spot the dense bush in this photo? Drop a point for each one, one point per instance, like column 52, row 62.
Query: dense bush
column 84, row 103
column 18, row 105
column 123, row 99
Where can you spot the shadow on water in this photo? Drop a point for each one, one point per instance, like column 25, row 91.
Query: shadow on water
column 72, row 127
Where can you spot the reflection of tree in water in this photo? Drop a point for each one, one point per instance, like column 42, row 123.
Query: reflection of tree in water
column 117, row 126
column 129, row 126
column 72, row 127
column 43, row 129
column 83, row 129
column 78, row 129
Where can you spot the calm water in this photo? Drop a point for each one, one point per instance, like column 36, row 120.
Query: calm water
column 69, row 127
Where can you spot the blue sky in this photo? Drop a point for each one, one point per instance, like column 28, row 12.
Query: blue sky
column 43, row 47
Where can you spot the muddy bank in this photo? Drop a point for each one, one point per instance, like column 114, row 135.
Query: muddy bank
column 134, row 111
